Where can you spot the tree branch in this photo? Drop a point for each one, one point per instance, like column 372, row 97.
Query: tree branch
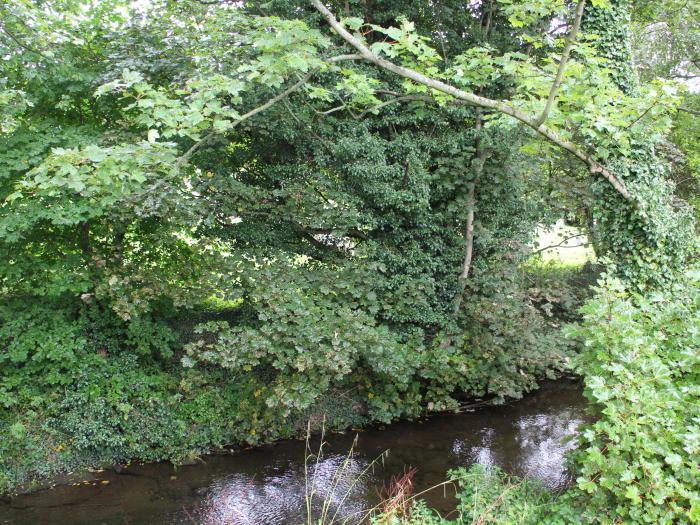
column 480, row 159
column 188, row 154
column 412, row 98
column 471, row 98
column 561, row 244
column 641, row 116
column 570, row 39
column 24, row 46
column 690, row 111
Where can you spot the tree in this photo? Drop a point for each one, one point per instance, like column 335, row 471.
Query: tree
column 361, row 205
column 660, row 236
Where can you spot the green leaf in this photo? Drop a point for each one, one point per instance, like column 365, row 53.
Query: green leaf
column 632, row 493
column 353, row 23
column 17, row 430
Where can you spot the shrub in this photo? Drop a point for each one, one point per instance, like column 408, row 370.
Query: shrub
column 505, row 344
column 486, row 496
column 83, row 387
column 639, row 462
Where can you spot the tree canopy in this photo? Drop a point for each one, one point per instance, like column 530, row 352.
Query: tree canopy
column 328, row 196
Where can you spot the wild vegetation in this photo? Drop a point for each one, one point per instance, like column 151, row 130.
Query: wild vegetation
column 220, row 221
column 637, row 462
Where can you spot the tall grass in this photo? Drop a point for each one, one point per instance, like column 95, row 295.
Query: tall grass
column 335, row 495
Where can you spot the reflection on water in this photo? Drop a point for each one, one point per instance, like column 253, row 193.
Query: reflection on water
column 331, row 487
column 543, row 440
column 268, row 485
column 535, row 447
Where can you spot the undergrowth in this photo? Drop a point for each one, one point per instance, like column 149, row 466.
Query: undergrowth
column 81, row 388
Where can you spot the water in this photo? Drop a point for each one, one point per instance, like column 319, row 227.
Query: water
column 266, row 485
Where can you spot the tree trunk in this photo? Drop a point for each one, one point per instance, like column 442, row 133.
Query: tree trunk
column 479, row 160
column 478, row 164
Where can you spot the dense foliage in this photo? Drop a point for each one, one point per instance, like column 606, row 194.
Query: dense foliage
column 651, row 239
column 638, row 462
column 193, row 272
column 205, row 244
column 642, row 366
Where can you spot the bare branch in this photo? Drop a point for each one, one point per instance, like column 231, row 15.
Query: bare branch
column 561, row 244
column 570, row 39
column 474, row 99
column 332, row 110
column 480, row 159
column 304, row 124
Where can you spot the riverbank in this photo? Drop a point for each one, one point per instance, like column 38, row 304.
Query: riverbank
column 264, row 484
column 117, row 406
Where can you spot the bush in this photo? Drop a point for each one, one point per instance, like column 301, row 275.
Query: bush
column 486, row 496
column 123, row 409
column 313, row 331
column 309, row 338
column 506, row 343
column 82, row 387
column 639, row 462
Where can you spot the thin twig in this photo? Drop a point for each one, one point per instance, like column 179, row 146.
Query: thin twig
column 188, row 154
column 24, row 46
column 562, row 243
column 640, row 117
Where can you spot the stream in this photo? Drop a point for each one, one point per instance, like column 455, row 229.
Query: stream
column 266, row 485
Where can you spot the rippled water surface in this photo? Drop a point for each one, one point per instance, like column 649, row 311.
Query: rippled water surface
column 266, row 486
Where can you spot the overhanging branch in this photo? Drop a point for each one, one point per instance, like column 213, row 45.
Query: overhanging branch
column 497, row 105
column 294, row 87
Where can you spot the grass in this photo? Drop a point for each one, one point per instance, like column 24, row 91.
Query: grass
column 485, row 495
column 564, row 245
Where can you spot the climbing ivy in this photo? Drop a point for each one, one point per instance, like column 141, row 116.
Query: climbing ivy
column 650, row 238
column 358, row 231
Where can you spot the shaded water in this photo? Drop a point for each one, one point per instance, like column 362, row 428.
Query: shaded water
column 266, row 485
